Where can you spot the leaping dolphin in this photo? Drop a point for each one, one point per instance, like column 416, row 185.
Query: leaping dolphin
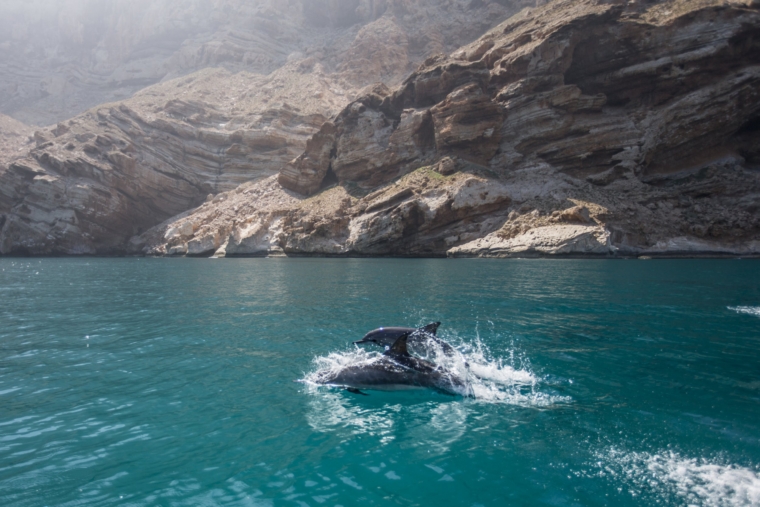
column 418, row 338
column 394, row 370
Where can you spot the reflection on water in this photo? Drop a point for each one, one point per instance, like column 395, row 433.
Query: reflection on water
column 434, row 425
column 441, row 426
column 332, row 412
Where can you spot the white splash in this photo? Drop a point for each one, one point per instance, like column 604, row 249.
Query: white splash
column 489, row 379
column 749, row 310
column 336, row 361
column 697, row 481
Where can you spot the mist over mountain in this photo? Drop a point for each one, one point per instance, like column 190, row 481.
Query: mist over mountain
column 59, row 58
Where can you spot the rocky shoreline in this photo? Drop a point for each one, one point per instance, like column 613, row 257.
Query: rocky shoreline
column 579, row 128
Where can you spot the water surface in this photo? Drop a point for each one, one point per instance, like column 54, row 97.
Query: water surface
column 171, row 382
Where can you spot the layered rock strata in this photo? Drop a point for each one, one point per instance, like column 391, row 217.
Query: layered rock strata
column 90, row 183
column 645, row 115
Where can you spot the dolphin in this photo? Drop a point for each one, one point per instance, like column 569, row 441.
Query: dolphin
column 395, row 370
column 418, row 338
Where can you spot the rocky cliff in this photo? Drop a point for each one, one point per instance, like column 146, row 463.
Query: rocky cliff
column 581, row 127
column 89, row 184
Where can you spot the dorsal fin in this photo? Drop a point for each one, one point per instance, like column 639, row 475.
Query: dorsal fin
column 399, row 346
column 430, row 328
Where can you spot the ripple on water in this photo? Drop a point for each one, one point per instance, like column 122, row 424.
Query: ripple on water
column 153, row 382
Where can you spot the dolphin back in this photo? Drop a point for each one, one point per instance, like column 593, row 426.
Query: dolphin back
column 395, row 370
column 387, row 336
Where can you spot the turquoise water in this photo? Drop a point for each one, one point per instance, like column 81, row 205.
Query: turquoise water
column 171, row 382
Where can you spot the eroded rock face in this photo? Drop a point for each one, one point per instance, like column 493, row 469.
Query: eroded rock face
column 467, row 123
column 568, row 240
column 648, row 111
column 306, row 173
column 374, row 144
column 91, row 183
column 415, row 215
column 597, row 90
column 581, row 127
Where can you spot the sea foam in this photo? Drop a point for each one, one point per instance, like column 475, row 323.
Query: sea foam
column 749, row 310
column 670, row 475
